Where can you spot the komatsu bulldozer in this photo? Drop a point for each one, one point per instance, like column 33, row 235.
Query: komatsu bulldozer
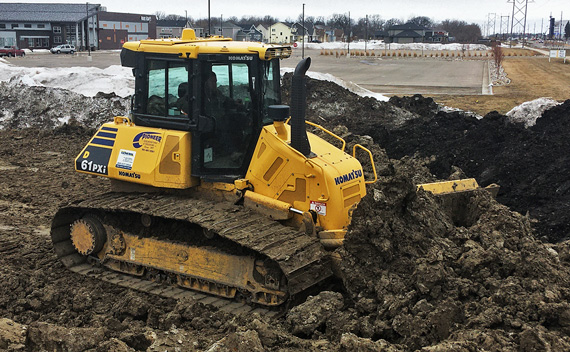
column 216, row 186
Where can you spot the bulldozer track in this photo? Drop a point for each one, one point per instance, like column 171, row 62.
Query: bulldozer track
column 300, row 257
column 169, row 291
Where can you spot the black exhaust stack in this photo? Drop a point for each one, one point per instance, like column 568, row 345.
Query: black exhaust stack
column 299, row 139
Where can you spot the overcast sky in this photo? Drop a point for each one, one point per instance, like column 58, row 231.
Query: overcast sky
column 468, row 10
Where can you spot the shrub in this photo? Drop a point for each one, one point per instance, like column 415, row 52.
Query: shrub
column 498, row 55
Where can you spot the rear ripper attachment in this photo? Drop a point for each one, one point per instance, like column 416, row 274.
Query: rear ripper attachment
column 190, row 243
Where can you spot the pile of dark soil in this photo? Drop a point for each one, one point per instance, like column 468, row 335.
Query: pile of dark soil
column 429, row 273
column 530, row 164
column 422, row 273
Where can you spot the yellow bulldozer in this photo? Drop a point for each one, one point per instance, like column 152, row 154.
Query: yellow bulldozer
column 216, row 186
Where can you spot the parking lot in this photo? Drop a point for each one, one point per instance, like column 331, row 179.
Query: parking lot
column 403, row 75
column 381, row 75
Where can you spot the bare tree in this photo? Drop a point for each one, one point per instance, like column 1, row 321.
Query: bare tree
column 461, row 30
column 498, row 56
column 392, row 22
column 174, row 17
column 375, row 23
column 160, row 15
column 320, row 20
column 422, row 21
column 341, row 21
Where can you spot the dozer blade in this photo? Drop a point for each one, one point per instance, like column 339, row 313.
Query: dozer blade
column 457, row 186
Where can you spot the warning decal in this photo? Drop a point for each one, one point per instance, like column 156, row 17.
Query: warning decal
column 319, row 208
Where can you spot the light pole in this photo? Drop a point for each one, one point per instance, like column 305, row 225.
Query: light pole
column 87, row 34
column 303, row 50
column 366, row 34
column 349, row 29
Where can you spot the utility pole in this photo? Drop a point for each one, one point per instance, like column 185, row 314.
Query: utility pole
column 87, row 34
column 491, row 20
column 519, row 15
column 504, row 26
column 222, row 25
column 366, row 33
column 303, row 50
column 349, row 29
column 560, row 29
column 209, row 20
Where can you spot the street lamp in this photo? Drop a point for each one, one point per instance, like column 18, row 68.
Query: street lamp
column 303, row 50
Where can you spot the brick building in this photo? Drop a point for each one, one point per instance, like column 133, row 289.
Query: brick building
column 42, row 26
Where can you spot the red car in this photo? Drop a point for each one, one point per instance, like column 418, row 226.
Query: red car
column 11, row 51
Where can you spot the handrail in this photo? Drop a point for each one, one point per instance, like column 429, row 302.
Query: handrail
column 327, row 131
column 371, row 161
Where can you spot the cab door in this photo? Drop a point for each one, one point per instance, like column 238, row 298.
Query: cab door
column 229, row 117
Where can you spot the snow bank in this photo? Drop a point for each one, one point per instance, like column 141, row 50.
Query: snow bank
column 378, row 44
column 530, row 111
column 88, row 81
column 83, row 80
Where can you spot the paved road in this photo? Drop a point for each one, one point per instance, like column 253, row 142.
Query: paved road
column 381, row 75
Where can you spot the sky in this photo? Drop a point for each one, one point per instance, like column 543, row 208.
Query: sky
column 472, row 11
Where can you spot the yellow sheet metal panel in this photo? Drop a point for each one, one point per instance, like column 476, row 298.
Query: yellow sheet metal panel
column 198, row 262
column 150, row 156
column 190, row 48
column 454, row 186
column 327, row 184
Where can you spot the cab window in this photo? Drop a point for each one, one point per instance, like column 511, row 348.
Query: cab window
column 168, row 89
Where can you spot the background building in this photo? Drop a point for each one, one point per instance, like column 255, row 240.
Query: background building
column 116, row 28
column 42, row 26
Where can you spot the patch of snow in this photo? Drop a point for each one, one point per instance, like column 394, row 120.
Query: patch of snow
column 83, row 80
column 64, row 120
column 528, row 112
column 351, row 86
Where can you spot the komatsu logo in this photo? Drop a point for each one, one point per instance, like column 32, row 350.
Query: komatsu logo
column 142, row 137
column 240, row 58
column 129, row 174
column 348, row 177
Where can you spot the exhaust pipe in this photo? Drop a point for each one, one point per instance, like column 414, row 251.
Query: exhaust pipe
column 299, row 139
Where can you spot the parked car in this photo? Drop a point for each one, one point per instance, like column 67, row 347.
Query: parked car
column 11, row 51
column 64, row 48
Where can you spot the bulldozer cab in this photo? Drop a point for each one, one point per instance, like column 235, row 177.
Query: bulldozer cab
column 222, row 99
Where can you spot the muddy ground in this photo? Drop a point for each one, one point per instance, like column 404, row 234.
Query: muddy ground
column 418, row 273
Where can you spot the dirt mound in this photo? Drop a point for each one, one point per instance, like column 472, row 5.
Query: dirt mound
column 529, row 164
column 422, row 273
